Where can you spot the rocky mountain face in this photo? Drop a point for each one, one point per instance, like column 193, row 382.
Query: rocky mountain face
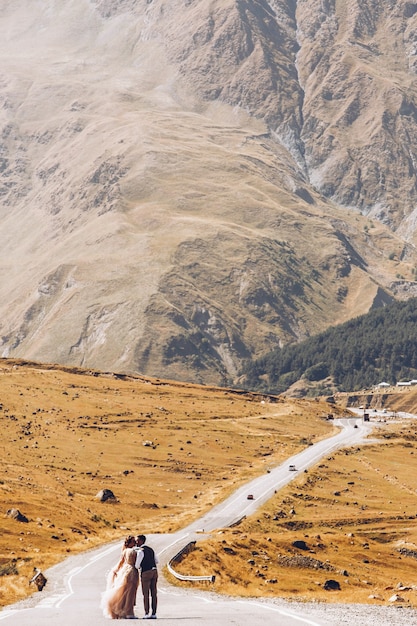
column 187, row 184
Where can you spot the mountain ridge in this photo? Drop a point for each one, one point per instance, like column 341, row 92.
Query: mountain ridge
column 186, row 185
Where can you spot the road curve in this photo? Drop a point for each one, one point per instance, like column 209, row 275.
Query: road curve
column 72, row 594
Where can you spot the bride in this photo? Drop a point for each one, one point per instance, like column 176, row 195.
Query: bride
column 118, row 600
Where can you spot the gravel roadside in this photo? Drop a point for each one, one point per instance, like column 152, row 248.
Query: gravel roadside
column 355, row 614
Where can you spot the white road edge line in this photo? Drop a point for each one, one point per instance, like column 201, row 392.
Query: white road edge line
column 276, row 609
column 77, row 570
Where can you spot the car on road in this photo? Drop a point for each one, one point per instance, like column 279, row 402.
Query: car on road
column 249, row 496
column 292, row 468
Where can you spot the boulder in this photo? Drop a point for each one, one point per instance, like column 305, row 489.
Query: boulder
column 17, row 515
column 396, row 598
column 331, row 585
column 38, row 579
column 106, row 495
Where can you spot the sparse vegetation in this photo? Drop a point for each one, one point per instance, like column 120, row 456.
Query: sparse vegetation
column 352, row 518
column 167, row 451
column 355, row 511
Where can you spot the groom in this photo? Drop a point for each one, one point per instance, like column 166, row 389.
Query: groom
column 146, row 562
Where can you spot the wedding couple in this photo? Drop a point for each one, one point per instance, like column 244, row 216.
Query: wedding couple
column 119, row 599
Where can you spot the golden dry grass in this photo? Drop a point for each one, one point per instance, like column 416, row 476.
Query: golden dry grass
column 167, row 450
column 356, row 511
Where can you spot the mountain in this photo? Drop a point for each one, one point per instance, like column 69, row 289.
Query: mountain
column 185, row 186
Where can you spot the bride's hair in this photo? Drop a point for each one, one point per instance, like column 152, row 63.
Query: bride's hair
column 128, row 540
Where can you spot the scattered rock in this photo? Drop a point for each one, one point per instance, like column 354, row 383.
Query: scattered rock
column 299, row 560
column 396, row 598
column 17, row 515
column 408, row 552
column 106, row 495
column 38, row 579
column 331, row 585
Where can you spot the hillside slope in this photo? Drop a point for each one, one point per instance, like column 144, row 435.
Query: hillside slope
column 167, row 451
column 185, row 186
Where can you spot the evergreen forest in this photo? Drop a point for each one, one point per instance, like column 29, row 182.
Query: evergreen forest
column 379, row 346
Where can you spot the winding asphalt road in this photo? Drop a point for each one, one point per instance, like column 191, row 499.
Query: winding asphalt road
column 72, row 594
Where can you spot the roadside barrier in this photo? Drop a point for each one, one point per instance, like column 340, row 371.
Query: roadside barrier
column 178, row 557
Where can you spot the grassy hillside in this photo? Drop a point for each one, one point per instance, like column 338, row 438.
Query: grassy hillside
column 167, row 451
column 355, row 512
